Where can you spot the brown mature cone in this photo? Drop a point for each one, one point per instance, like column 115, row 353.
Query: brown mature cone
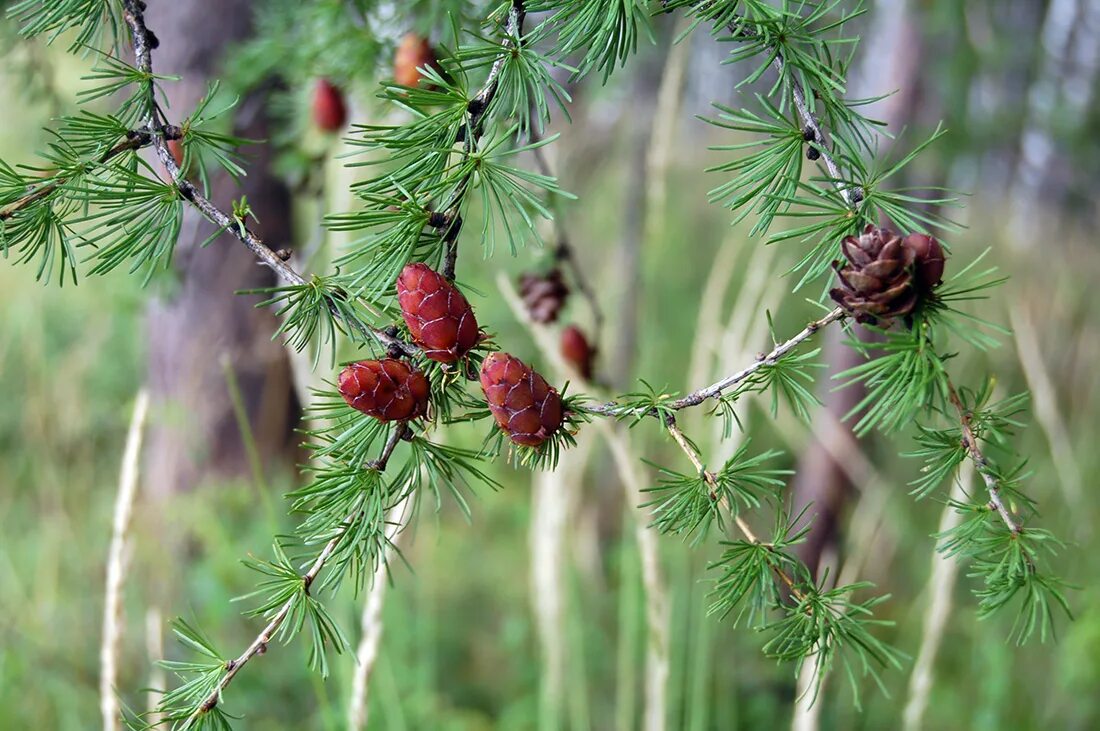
column 576, row 349
column 439, row 317
column 930, row 260
column 526, row 407
column 877, row 283
column 413, row 53
column 388, row 390
column 544, row 295
column 330, row 111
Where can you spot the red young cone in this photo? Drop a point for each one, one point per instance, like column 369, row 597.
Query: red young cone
column 388, row 390
column 439, row 317
column 576, row 349
column 526, row 407
column 413, row 53
column 330, row 112
column 176, row 148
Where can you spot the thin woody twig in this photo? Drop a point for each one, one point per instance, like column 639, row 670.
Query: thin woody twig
column 475, row 113
column 371, row 621
column 974, row 450
column 612, row 408
column 712, row 482
column 135, row 140
column 116, row 565
column 139, row 35
column 814, row 132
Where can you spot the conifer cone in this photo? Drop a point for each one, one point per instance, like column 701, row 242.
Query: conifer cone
column 439, row 317
column 543, row 294
column 527, row 408
column 576, row 349
column 877, row 283
column 388, row 390
column 330, row 112
column 413, row 53
column 929, row 260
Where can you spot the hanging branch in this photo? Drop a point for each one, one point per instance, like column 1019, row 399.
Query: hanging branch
column 613, row 408
column 260, row 643
column 716, row 494
column 135, row 140
column 475, row 116
column 974, row 451
column 161, row 132
column 852, row 195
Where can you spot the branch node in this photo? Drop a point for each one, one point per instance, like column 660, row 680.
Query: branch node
column 475, row 106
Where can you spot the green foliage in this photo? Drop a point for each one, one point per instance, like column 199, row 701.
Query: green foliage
column 91, row 19
column 767, row 178
column 750, row 571
column 200, row 677
column 451, row 172
column 526, row 90
column 690, row 504
column 606, row 33
column 112, row 77
column 904, row 377
column 283, row 591
column 829, row 628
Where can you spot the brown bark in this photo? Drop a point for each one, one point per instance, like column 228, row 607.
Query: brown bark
column 201, row 326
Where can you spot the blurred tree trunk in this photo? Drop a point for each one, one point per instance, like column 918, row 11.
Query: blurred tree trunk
column 201, row 329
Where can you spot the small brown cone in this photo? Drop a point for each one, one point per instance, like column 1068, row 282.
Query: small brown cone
column 543, row 294
column 929, row 260
column 576, row 349
column 524, row 405
column 388, row 390
column 330, row 111
column 876, row 285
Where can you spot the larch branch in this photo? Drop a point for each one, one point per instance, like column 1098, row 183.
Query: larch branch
column 260, row 643
column 139, row 35
column 475, row 118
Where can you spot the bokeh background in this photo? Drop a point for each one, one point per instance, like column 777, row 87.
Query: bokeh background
column 686, row 295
